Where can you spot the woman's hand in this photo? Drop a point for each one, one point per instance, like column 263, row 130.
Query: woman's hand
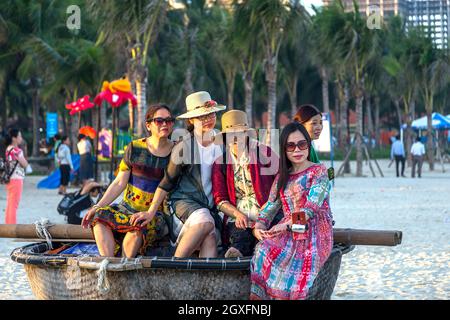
column 141, row 218
column 88, row 216
column 241, row 220
column 259, row 234
column 276, row 230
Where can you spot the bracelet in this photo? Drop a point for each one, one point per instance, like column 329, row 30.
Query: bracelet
column 96, row 206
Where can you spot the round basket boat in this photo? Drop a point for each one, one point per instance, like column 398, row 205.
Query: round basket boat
column 86, row 277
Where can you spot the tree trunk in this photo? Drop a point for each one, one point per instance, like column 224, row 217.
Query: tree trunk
column 230, row 90
column 271, row 78
column 36, row 133
column 293, row 96
column 141, row 107
column 325, row 91
column 359, row 97
column 188, row 85
column 399, row 113
column 3, row 107
column 377, row 120
column 337, row 114
column 248, row 87
column 131, row 117
column 408, row 134
column 370, row 134
column 430, row 146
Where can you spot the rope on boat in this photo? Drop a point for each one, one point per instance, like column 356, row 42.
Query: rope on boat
column 42, row 232
column 103, row 285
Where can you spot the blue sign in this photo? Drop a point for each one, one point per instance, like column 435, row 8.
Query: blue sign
column 52, row 125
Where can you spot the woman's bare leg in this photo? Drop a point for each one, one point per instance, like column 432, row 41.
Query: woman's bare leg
column 192, row 239
column 104, row 239
column 209, row 247
column 131, row 244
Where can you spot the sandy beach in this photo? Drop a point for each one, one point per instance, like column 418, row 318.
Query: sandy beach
column 417, row 269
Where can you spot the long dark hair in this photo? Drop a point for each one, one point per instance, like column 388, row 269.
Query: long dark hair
column 64, row 138
column 306, row 112
column 12, row 133
column 285, row 163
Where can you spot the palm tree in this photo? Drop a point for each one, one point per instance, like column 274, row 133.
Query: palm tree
column 360, row 45
column 294, row 54
column 134, row 24
column 250, row 55
column 269, row 21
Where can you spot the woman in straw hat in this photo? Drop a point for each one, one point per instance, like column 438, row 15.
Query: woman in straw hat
column 140, row 172
column 241, row 180
column 187, row 182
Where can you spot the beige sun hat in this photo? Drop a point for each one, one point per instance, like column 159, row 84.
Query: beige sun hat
column 199, row 104
column 235, row 122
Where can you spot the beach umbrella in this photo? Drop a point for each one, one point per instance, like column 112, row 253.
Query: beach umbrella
column 438, row 122
column 78, row 106
column 88, row 131
column 116, row 94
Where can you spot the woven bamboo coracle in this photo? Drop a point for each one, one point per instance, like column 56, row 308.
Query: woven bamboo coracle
column 64, row 277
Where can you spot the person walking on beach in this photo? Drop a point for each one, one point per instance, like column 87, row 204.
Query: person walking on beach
column 86, row 170
column 311, row 118
column 65, row 164
column 241, row 181
column 398, row 153
column 16, row 160
column 417, row 152
column 187, row 181
column 140, row 172
column 285, row 262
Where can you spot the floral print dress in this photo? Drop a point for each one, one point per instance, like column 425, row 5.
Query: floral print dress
column 285, row 267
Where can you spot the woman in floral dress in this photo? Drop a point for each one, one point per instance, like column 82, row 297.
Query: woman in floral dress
column 140, row 173
column 286, row 263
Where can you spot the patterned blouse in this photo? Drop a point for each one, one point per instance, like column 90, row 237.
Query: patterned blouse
column 245, row 193
column 147, row 170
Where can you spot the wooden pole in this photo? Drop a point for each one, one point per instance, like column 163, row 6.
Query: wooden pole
column 76, row 232
column 111, row 169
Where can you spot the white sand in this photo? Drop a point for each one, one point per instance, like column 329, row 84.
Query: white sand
column 417, row 269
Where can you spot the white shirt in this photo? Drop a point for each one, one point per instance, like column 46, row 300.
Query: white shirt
column 418, row 149
column 84, row 146
column 64, row 156
column 207, row 157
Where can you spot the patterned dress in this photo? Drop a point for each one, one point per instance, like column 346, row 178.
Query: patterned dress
column 285, row 267
column 147, row 170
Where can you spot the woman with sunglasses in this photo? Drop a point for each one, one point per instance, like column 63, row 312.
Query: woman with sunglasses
column 286, row 262
column 187, row 182
column 140, row 172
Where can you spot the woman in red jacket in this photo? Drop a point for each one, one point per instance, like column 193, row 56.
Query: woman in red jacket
column 241, row 184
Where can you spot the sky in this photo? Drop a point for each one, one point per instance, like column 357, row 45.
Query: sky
column 307, row 4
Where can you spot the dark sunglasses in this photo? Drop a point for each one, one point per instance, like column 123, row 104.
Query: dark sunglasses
column 161, row 121
column 302, row 145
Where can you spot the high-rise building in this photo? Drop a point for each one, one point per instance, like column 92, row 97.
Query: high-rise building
column 387, row 8
column 432, row 15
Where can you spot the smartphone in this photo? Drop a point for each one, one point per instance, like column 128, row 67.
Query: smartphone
column 299, row 222
column 331, row 173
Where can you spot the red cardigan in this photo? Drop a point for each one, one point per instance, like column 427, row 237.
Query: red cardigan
column 223, row 187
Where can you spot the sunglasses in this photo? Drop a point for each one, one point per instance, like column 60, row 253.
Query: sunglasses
column 160, row 121
column 207, row 116
column 302, row 145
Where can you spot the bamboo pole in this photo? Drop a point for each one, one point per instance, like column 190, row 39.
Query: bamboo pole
column 76, row 232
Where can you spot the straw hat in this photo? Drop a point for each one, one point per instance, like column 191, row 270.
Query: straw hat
column 234, row 122
column 199, row 104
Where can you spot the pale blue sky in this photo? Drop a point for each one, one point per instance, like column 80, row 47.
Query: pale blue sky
column 308, row 3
